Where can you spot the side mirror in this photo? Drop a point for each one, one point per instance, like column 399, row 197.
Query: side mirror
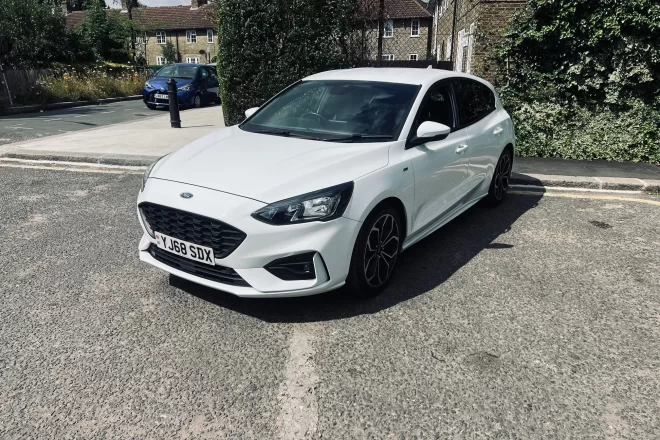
column 249, row 112
column 429, row 131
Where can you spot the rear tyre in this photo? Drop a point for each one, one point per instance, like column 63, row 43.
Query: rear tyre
column 375, row 253
column 499, row 186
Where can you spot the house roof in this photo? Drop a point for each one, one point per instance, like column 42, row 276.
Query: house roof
column 160, row 17
column 398, row 9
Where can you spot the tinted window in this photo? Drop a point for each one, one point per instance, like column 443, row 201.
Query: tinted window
column 204, row 73
column 364, row 111
column 177, row 71
column 474, row 101
column 437, row 107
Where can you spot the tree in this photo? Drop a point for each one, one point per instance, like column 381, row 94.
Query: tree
column 105, row 33
column 169, row 52
column 32, row 34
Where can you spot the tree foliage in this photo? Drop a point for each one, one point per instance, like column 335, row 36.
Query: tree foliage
column 169, row 52
column 106, row 34
column 583, row 78
column 32, row 34
column 265, row 46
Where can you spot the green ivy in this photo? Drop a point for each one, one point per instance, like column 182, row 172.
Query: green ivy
column 583, row 79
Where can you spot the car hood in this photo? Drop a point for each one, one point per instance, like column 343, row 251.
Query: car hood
column 269, row 168
column 161, row 82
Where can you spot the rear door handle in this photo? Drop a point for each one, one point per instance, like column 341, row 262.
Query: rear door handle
column 498, row 131
column 461, row 148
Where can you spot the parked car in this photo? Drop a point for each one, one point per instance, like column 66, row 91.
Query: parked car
column 327, row 183
column 197, row 86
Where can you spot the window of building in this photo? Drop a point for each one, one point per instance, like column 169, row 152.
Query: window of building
column 191, row 36
column 474, row 99
column 387, row 57
column 209, row 35
column 160, row 37
column 414, row 28
column 464, row 49
column 413, row 57
column 160, row 61
column 443, row 7
column 388, row 29
column 192, row 60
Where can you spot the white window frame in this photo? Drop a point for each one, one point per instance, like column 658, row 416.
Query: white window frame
column 209, row 36
column 465, row 49
column 411, row 55
column 160, row 61
column 443, row 7
column 191, row 36
column 387, row 57
column 192, row 60
column 412, row 28
column 161, row 37
column 389, row 28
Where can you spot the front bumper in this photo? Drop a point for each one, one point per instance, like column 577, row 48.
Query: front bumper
column 332, row 241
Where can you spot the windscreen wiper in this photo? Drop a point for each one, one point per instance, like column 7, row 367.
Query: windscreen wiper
column 286, row 133
column 359, row 137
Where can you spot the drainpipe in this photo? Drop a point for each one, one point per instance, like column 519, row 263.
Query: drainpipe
column 178, row 54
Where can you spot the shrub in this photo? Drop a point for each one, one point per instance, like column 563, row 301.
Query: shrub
column 266, row 46
column 584, row 79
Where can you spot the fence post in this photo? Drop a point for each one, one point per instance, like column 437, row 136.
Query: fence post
column 4, row 80
column 381, row 30
column 454, row 41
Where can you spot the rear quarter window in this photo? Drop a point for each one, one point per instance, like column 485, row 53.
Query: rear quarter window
column 474, row 101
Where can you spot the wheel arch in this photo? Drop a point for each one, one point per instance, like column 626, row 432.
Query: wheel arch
column 397, row 204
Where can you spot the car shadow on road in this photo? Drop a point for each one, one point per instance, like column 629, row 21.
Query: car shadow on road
column 422, row 268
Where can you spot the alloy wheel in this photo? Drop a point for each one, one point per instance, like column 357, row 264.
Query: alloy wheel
column 381, row 250
column 502, row 176
column 198, row 101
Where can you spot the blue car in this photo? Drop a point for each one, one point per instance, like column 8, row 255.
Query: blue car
column 197, row 86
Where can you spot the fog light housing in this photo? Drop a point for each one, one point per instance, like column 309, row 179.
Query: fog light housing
column 293, row 268
column 146, row 224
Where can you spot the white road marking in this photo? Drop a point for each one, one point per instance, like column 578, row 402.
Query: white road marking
column 74, row 169
column 65, row 131
column 4, row 140
column 588, row 196
column 563, row 188
column 76, row 164
column 80, row 116
column 298, row 416
column 51, row 119
column 19, row 128
column 105, row 113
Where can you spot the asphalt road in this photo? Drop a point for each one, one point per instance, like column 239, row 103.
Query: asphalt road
column 536, row 320
column 35, row 125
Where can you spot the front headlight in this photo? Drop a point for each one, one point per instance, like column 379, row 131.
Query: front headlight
column 148, row 85
column 323, row 205
column 186, row 87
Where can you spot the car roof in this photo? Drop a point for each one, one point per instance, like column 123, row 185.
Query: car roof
column 392, row 74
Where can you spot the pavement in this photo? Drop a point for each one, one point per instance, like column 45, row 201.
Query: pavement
column 538, row 319
column 122, row 135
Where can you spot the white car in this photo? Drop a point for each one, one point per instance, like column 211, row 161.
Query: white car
column 327, row 183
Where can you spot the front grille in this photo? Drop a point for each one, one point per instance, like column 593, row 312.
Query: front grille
column 219, row 274
column 197, row 229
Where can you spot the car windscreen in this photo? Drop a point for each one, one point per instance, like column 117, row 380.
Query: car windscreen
column 336, row 110
column 174, row 71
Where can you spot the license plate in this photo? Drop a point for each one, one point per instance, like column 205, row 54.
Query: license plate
column 161, row 96
column 185, row 249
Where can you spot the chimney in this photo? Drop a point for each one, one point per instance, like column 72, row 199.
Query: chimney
column 195, row 4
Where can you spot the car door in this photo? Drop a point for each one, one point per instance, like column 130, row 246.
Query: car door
column 485, row 125
column 214, row 84
column 440, row 167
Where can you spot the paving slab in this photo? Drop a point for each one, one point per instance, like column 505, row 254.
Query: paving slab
column 593, row 168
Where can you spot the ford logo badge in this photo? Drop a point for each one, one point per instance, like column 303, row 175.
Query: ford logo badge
column 186, row 195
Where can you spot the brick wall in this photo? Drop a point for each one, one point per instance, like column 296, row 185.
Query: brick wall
column 402, row 44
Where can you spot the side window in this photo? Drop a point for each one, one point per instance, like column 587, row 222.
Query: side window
column 203, row 74
column 474, row 101
column 437, row 107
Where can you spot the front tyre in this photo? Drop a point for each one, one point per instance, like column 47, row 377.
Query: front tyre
column 375, row 253
column 501, row 179
column 197, row 101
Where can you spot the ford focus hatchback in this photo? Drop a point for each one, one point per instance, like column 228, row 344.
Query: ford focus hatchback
column 327, row 183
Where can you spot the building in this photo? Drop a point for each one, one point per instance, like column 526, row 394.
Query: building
column 191, row 30
column 465, row 41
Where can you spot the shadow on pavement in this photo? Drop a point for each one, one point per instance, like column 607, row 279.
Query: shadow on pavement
column 422, row 268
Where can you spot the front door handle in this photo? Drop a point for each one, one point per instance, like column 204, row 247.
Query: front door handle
column 461, row 148
column 498, row 131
